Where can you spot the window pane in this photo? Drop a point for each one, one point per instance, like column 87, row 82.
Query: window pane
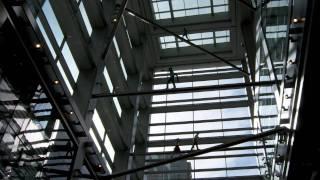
column 124, row 71
column 109, row 147
column 95, row 140
column 52, row 21
column 117, row 104
column 64, row 76
column 98, row 124
column 108, row 79
column 85, row 18
column 45, row 36
column 70, row 61
column 116, row 46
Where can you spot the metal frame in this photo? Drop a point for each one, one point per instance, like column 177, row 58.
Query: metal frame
column 200, row 152
column 114, row 28
column 50, row 94
column 148, row 21
column 180, row 90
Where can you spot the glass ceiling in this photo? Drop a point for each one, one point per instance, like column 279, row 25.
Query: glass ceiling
column 202, row 38
column 165, row 9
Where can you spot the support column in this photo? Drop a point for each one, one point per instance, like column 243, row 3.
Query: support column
column 78, row 158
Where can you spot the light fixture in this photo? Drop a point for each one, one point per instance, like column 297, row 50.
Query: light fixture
column 114, row 20
column 299, row 20
column 55, row 82
column 71, row 112
column 38, row 45
column 130, row 13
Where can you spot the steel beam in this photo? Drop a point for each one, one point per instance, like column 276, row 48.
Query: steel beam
column 183, row 90
column 244, row 2
column 200, row 152
column 148, row 21
column 13, row 19
column 115, row 22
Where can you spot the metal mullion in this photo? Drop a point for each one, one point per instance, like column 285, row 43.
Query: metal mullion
column 46, row 87
column 64, row 64
column 171, row 10
column 180, row 90
column 146, row 20
column 226, row 149
column 211, row 6
column 206, row 131
column 203, row 121
column 200, row 152
column 202, row 99
column 215, row 157
column 201, row 170
column 49, row 33
column 203, row 71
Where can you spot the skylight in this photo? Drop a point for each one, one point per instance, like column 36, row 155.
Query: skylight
column 277, row 31
column 165, row 9
column 203, row 38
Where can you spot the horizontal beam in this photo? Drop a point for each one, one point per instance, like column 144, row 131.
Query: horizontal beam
column 234, row 148
column 205, row 131
column 209, row 120
column 183, row 90
column 148, row 21
column 244, row 2
column 201, row 170
column 200, row 152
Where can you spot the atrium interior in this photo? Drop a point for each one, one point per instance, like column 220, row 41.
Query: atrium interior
column 159, row 89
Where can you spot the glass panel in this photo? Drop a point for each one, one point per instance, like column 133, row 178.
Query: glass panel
column 109, row 147
column 203, row 38
column 182, row 8
column 108, row 79
column 45, row 36
column 64, row 76
column 124, row 71
column 85, row 18
column 52, row 21
column 95, row 140
column 98, row 124
column 70, row 61
column 107, row 164
column 117, row 104
column 116, row 46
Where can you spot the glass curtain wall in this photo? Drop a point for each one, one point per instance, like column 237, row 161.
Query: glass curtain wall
column 218, row 116
column 275, row 26
column 33, row 141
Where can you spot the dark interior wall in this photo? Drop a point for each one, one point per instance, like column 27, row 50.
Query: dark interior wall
column 305, row 159
column 15, row 66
